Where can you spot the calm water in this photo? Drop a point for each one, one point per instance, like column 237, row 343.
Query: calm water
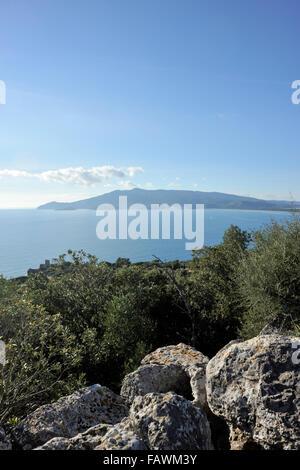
column 28, row 237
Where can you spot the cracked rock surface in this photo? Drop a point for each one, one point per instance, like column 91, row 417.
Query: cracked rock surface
column 169, row 422
column 255, row 386
column 179, row 368
column 69, row 416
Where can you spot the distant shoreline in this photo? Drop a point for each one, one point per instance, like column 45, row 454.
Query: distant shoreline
column 94, row 210
column 154, row 199
column 208, row 208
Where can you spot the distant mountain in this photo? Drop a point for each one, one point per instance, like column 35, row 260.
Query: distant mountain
column 212, row 200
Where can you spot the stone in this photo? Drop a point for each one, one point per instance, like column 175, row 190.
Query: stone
column 169, row 422
column 5, row 444
column 254, row 385
column 100, row 437
column 69, row 416
column 121, row 437
column 180, row 369
column 87, row 440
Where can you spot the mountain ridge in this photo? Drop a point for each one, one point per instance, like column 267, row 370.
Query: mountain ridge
column 211, row 200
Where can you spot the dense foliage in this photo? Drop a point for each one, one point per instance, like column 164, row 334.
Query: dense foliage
column 87, row 321
column 269, row 279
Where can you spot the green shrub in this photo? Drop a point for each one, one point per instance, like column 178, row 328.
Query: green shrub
column 40, row 356
column 269, row 279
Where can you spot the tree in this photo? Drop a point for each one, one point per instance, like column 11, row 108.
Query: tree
column 269, row 279
column 41, row 355
column 213, row 291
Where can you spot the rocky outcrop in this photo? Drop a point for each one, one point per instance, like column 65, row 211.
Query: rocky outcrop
column 169, row 422
column 4, row 442
column 180, row 369
column 156, row 421
column 122, row 437
column 70, row 416
column 255, row 386
column 87, row 440
column 100, row 437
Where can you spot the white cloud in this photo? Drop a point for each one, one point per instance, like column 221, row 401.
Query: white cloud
column 14, row 173
column 79, row 176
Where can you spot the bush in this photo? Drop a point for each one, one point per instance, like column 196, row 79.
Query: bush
column 97, row 319
column 211, row 287
column 40, row 357
column 79, row 291
column 269, row 279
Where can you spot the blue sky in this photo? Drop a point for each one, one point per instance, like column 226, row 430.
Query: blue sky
column 111, row 94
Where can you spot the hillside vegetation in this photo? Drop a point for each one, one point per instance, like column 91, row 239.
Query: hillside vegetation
column 212, row 200
column 87, row 321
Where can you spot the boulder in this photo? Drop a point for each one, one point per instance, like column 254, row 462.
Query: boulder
column 4, row 442
column 180, row 369
column 70, row 416
column 121, row 437
column 87, row 440
column 169, row 422
column 100, row 437
column 255, row 386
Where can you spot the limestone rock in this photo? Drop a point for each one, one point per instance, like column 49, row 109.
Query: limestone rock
column 178, row 368
column 100, row 437
column 255, row 386
column 87, row 440
column 121, row 437
column 70, row 416
column 4, row 442
column 169, row 422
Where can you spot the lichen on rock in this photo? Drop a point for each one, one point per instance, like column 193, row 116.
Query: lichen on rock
column 170, row 422
column 69, row 416
column 254, row 386
column 179, row 368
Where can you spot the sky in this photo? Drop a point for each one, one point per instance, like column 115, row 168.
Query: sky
column 116, row 94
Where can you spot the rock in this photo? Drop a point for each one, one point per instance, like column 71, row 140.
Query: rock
column 87, row 440
column 100, row 437
column 180, row 369
column 121, row 437
column 70, row 416
column 169, row 422
column 155, row 378
column 4, row 442
column 254, row 385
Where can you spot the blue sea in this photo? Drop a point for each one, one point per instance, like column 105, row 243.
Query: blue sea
column 28, row 237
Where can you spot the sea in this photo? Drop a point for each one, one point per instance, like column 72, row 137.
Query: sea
column 29, row 236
